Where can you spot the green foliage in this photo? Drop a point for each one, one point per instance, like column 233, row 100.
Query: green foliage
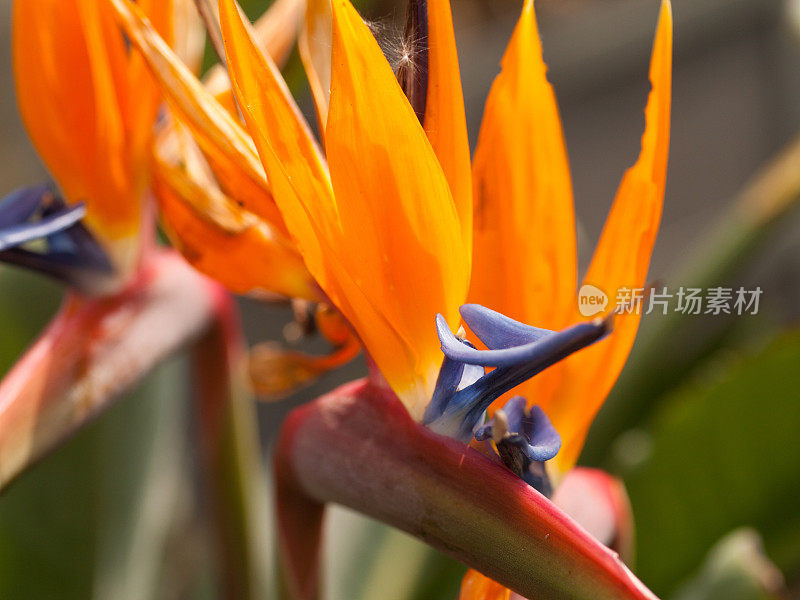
column 736, row 569
column 367, row 560
column 26, row 303
column 90, row 520
column 724, row 454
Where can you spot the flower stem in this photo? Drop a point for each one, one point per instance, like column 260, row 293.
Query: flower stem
column 232, row 465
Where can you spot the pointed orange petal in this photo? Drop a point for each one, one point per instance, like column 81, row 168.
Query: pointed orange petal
column 315, row 50
column 402, row 238
column 275, row 31
column 188, row 32
column 622, row 258
column 290, row 157
column 107, row 65
column 143, row 96
column 70, row 72
column 301, row 184
column 524, row 259
column 228, row 148
column 278, row 27
column 525, row 255
column 445, row 120
column 48, row 36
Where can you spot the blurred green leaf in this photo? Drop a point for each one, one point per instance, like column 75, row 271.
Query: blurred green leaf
column 90, row 520
column 140, row 474
column 367, row 559
column 723, row 454
column 736, row 569
column 27, row 302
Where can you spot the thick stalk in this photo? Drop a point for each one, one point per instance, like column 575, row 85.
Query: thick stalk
column 93, row 350
column 358, row 447
column 232, row 465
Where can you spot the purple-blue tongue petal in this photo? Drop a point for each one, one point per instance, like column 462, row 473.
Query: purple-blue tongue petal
column 498, row 331
column 541, row 441
column 545, row 442
column 20, row 205
column 16, row 235
column 558, row 344
column 66, row 250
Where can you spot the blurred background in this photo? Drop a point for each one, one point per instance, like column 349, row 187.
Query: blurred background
column 702, row 426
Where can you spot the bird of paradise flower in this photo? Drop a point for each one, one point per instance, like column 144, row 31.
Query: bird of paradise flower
column 89, row 106
column 383, row 219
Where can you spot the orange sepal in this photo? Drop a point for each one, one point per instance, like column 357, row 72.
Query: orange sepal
column 621, row 259
column 225, row 242
column 227, row 147
column 524, row 260
column 291, row 159
column 402, row 240
column 445, row 119
column 89, row 109
column 476, row 586
column 275, row 32
column 388, row 249
column 314, row 45
column 525, row 255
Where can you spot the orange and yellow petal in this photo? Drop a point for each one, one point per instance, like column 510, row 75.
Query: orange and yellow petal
column 275, row 31
column 476, row 586
column 189, row 40
column 445, row 119
column 291, row 158
column 57, row 99
column 225, row 242
column 621, row 259
column 315, row 50
column 524, row 259
column 227, row 147
column 387, row 246
column 143, row 95
column 402, row 234
column 89, row 109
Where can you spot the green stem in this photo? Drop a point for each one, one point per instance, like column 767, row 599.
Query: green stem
column 232, row 464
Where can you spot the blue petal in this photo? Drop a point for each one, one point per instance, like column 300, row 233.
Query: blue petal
column 17, row 235
column 540, row 440
column 545, row 441
column 498, row 331
column 527, row 441
column 457, row 409
column 453, row 376
column 559, row 344
column 68, row 250
column 20, row 204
